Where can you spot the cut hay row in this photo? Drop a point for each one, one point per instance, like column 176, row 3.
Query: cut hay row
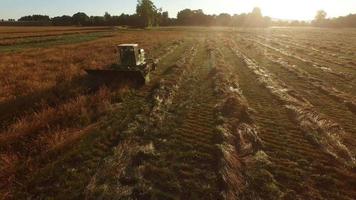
column 190, row 154
column 169, row 85
column 184, row 161
column 347, row 99
column 330, row 57
column 243, row 157
column 121, row 174
column 302, row 170
column 168, row 50
column 331, row 41
column 336, row 105
column 316, row 65
column 325, row 132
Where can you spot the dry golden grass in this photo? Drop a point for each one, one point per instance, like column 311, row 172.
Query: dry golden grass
column 37, row 70
column 221, row 116
column 27, row 72
column 43, row 105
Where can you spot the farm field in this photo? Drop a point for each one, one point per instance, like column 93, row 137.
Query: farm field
column 228, row 114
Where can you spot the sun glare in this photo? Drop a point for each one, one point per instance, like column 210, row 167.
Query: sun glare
column 281, row 9
column 278, row 9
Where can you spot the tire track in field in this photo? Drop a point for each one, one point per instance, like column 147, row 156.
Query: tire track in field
column 299, row 164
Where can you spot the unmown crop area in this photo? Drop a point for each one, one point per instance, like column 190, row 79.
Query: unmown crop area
column 228, row 114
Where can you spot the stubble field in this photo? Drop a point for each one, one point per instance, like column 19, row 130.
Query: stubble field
column 228, row 114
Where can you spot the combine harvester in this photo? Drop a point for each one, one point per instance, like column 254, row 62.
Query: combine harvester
column 133, row 68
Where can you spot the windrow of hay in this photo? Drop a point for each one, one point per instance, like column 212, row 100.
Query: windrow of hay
column 121, row 175
column 310, row 50
column 321, row 129
column 167, row 87
column 244, row 163
column 347, row 99
column 170, row 49
column 314, row 64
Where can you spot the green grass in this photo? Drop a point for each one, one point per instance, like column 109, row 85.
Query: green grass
column 52, row 41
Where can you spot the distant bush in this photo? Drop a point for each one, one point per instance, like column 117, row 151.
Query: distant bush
column 35, row 18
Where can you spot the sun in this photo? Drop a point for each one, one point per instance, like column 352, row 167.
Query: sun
column 282, row 9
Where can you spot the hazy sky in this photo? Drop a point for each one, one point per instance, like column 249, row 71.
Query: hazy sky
column 282, row 9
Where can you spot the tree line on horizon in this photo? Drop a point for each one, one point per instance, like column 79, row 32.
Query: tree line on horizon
column 148, row 15
column 338, row 22
column 185, row 17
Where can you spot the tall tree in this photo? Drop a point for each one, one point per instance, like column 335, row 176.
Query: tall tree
column 64, row 20
column 320, row 18
column 256, row 12
column 164, row 21
column 147, row 11
column 107, row 16
column 320, row 15
column 80, row 18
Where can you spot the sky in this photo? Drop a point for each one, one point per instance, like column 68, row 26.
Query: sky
column 277, row 9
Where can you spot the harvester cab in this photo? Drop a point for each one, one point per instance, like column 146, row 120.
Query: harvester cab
column 131, row 55
column 132, row 67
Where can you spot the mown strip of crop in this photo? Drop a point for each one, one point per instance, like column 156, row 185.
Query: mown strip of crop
column 338, row 106
column 344, row 80
column 320, row 56
column 245, row 167
column 285, row 142
column 131, row 181
column 53, row 41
